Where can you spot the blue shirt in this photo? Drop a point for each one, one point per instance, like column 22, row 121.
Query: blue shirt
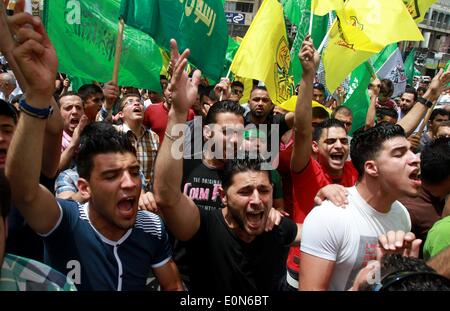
column 94, row 262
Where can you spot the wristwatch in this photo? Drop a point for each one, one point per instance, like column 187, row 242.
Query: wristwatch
column 425, row 102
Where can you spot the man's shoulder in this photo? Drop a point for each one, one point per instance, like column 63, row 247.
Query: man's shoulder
column 149, row 223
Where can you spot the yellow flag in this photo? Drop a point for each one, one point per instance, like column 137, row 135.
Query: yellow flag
column 248, row 86
column 370, row 25
column 165, row 63
column 322, row 7
column 418, row 8
column 264, row 52
column 340, row 58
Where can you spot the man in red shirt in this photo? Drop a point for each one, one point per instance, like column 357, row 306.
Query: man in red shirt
column 156, row 115
column 329, row 143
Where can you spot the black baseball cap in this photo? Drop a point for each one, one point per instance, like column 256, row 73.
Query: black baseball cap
column 7, row 109
column 319, row 86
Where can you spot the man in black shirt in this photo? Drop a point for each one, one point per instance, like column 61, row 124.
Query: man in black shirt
column 229, row 248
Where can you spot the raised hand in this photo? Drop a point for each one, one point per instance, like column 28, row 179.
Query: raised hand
column 439, row 84
column 35, row 57
column 183, row 90
column 309, row 58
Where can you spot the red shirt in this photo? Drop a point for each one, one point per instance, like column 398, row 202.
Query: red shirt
column 156, row 117
column 306, row 184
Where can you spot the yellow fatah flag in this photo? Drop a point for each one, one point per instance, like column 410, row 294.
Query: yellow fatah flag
column 340, row 58
column 370, row 25
column 264, row 52
column 322, row 7
column 418, row 8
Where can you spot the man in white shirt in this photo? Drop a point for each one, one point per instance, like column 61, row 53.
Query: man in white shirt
column 336, row 242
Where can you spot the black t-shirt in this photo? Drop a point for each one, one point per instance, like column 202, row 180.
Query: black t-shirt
column 220, row 261
column 201, row 184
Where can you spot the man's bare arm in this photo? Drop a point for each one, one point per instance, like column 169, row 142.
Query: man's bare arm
column 315, row 273
column 179, row 211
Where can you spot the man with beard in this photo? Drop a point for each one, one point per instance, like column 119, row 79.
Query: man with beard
column 228, row 248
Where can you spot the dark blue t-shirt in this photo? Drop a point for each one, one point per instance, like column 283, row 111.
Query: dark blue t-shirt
column 77, row 249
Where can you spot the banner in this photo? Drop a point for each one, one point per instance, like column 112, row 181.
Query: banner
column 264, row 52
column 84, row 34
column 389, row 65
column 199, row 25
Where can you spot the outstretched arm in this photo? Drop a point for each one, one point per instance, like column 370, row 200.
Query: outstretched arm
column 36, row 59
column 180, row 212
column 303, row 113
column 415, row 115
column 371, row 111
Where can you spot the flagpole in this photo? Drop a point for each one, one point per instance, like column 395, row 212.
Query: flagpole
column 372, row 69
column 322, row 44
column 115, row 76
column 425, row 120
column 311, row 16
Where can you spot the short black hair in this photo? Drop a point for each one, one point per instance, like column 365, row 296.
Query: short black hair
column 99, row 138
column 390, row 112
column 411, row 90
column 235, row 166
column 87, row 90
column 401, row 273
column 329, row 123
column 438, row 112
column 125, row 97
column 222, row 107
column 6, row 109
column 237, row 83
column 320, row 112
column 319, row 86
column 5, row 195
column 259, row 87
column 435, row 161
column 366, row 144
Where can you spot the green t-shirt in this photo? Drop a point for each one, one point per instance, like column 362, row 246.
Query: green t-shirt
column 277, row 186
column 438, row 238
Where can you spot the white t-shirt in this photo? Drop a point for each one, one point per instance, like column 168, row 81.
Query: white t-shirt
column 349, row 236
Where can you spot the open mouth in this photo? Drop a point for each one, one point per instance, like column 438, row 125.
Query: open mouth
column 254, row 219
column 137, row 109
column 74, row 122
column 337, row 156
column 126, row 206
column 415, row 177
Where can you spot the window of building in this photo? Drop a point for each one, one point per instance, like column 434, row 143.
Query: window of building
column 230, row 6
column 244, row 7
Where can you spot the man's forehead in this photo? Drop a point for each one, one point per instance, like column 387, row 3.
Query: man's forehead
column 259, row 93
column 70, row 99
column 6, row 121
column 343, row 116
column 394, row 143
column 229, row 119
column 333, row 132
column 251, row 177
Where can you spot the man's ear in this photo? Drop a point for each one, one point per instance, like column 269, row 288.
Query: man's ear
column 371, row 168
column 207, row 132
column 84, row 188
column 223, row 196
column 315, row 146
column 120, row 115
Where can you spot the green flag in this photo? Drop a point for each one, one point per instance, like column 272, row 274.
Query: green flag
column 232, row 48
column 84, row 34
column 357, row 97
column 199, row 25
column 409, row 66
column 298, row 12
